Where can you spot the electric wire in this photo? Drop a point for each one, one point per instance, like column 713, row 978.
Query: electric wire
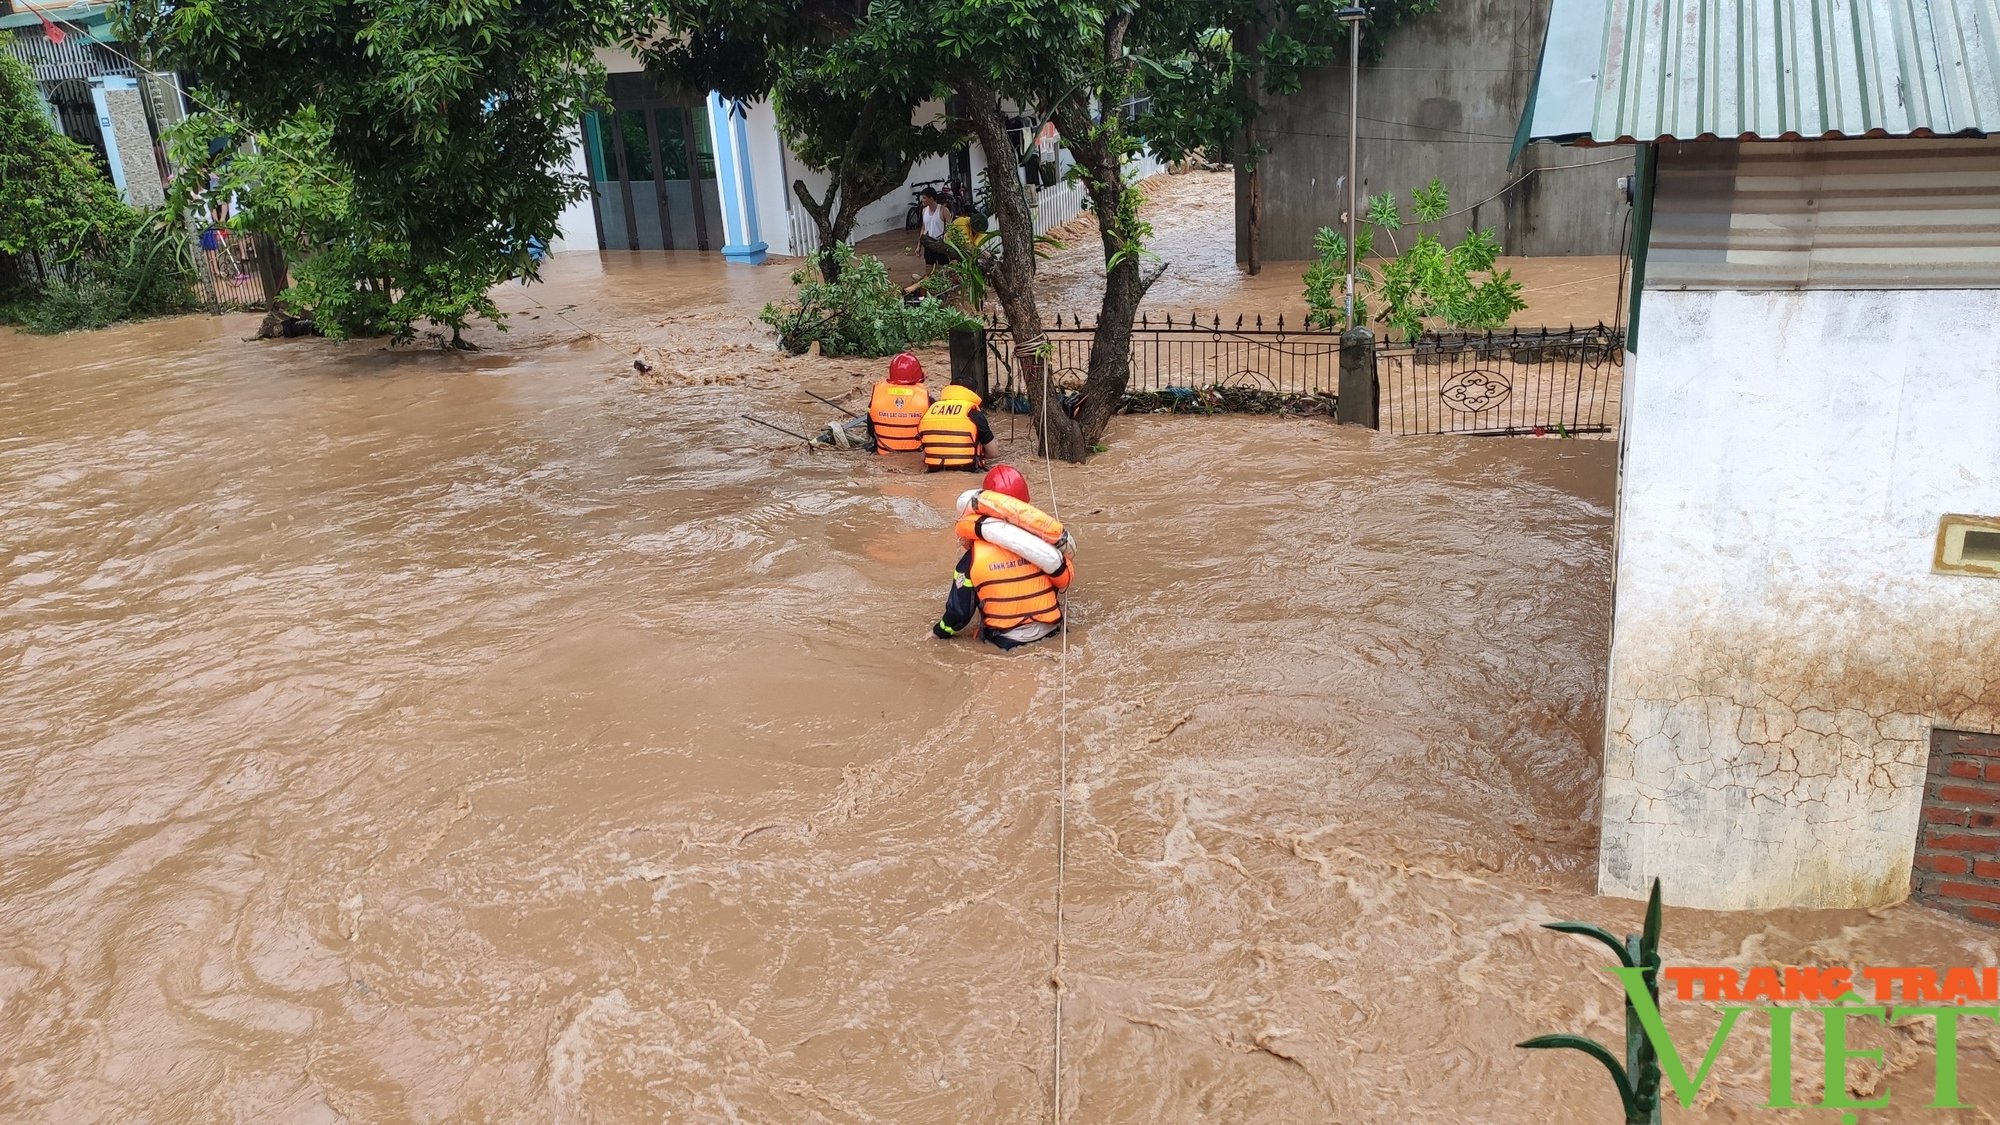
column 1523, row 178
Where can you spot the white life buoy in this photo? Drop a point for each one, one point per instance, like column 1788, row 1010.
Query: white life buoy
column 1026, row 544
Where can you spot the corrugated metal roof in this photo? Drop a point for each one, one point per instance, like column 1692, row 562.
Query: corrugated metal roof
column 1626, row 70
column 1866, row 214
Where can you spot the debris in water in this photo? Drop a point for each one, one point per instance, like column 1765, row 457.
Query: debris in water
column 851, row 434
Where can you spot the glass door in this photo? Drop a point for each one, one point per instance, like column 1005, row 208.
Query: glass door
column 708, row 193
column 679, row 191
column 607, row 183
column 642, row 186
column 652, row 171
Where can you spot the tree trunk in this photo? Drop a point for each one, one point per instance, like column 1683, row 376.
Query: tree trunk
column 1255, row 234
column 1249, row 93
column 1013, row 276
column 829, row 270
column 1096, row 148
column 1100, row 148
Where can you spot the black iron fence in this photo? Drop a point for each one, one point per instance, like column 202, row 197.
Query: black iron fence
column 1525, row 381
column 1513, row 382
column 1173, row 355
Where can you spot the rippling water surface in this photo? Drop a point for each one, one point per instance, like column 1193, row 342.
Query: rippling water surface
column 399, row 736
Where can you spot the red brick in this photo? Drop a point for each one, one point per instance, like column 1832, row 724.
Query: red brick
column 1959, row 767
column 1961, row 842
column 1956, row 865
column 1935, row 815
column 1969, row 795
column 1980, row 891
column 1982, row 819
column 1985, row 869
column 1992, row 771
column 1983, row 914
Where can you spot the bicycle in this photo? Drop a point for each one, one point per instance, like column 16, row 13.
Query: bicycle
column 949, row 193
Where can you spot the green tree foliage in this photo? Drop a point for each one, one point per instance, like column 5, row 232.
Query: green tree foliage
column 862, row 313
column 72, row 254
column 53, row 196
column 1060, row 60
column 356, row 277
column 1428, row 285
column 844, row 116
column 447, row 123
column 865, row 141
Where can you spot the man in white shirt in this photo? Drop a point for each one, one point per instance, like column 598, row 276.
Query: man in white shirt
column 936, row 217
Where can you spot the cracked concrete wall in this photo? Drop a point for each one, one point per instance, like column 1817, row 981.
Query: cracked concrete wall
column 1780, row 646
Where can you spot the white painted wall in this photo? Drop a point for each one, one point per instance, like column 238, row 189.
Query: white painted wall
column 578, row 222
column 618, row 60
column 1780, row 646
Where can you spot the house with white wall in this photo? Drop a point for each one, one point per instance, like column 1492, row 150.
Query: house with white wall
column 95, row 94
column 1803, row 599
column 694, row 171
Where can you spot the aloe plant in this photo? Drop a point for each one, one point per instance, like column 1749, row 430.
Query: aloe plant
column 1638, row 1077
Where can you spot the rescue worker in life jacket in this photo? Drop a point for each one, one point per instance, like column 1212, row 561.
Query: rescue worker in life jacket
column 1018, row 591
column 896, row 409
column 954, row 433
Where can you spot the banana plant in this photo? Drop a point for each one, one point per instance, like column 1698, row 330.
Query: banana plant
column 1638, row 1077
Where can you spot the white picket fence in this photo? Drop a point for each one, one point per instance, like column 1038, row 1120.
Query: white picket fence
column 805, row 236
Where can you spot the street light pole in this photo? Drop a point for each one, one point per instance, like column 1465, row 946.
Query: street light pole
column 1352, row 17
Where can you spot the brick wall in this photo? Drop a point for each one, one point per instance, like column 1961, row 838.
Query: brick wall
column 1958, row 840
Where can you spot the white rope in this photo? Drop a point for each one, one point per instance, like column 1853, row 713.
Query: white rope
column 1062, row 772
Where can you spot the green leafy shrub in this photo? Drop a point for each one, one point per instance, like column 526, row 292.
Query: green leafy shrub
column 353, row 273
column 150, row 272
column 1426, row 286
column 860, row 314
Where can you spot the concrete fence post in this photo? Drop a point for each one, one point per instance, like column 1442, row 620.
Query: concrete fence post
column 1358, row 403
column 968, row 359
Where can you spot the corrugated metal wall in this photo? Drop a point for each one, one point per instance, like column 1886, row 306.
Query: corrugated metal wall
column 1888, row 214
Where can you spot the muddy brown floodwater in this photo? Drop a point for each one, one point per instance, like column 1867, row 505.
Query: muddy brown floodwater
column 396, row 736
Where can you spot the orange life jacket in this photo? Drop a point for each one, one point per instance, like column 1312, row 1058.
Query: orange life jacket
column 1013, row 591
column 896, row 410
column 949, row 438
column 1020, row 513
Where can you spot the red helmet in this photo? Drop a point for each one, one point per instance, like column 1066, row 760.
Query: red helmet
column 1005, row 478
column 905, row 369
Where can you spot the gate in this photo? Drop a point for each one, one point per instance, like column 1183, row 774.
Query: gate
column 1523, row 381
column 1181, row 356
column 1527, row 381
column 238, row 271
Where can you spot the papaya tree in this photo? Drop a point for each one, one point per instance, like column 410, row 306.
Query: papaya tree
column 1427, row 285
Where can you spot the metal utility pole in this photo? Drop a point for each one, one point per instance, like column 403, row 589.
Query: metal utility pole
column 1352, row 17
